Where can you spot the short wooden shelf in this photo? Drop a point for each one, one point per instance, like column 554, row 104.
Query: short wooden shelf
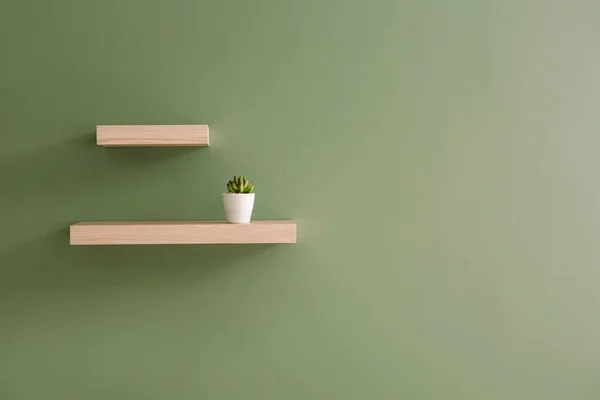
column 152, row 135
column 182, row 232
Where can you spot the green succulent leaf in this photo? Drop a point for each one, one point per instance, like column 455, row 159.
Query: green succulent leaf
column 240, row 184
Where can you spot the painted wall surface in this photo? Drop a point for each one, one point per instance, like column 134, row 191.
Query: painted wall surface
column 440, row 158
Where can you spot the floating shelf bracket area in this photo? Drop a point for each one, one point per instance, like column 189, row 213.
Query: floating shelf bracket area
column 152, row 135
column 182, row 232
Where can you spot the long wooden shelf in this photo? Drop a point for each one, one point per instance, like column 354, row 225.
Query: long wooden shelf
column 152, row 135
column 182, row 232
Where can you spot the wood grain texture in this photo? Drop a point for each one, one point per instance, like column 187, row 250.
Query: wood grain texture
column 182, row 232
column 152, row 135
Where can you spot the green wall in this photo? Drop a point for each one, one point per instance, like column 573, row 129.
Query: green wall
column 439, row 157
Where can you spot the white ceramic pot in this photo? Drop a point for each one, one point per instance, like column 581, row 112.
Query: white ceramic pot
column 238, row 207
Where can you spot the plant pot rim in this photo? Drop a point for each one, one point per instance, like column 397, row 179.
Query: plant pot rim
column 237, row 194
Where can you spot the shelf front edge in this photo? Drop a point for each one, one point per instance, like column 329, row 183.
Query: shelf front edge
column 152, row 135
column 182, row 232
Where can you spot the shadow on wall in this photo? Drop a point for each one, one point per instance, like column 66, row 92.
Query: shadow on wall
column 47, row 189
column 74, row 166
column 49, row 266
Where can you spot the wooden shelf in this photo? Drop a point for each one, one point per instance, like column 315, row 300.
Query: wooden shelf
column 182, row 232
column 152, row 135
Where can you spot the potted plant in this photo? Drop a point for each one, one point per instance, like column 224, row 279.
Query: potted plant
column 239, row 200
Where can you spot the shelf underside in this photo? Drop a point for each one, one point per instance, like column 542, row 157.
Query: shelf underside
column 152, row 135
column 182, row 232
